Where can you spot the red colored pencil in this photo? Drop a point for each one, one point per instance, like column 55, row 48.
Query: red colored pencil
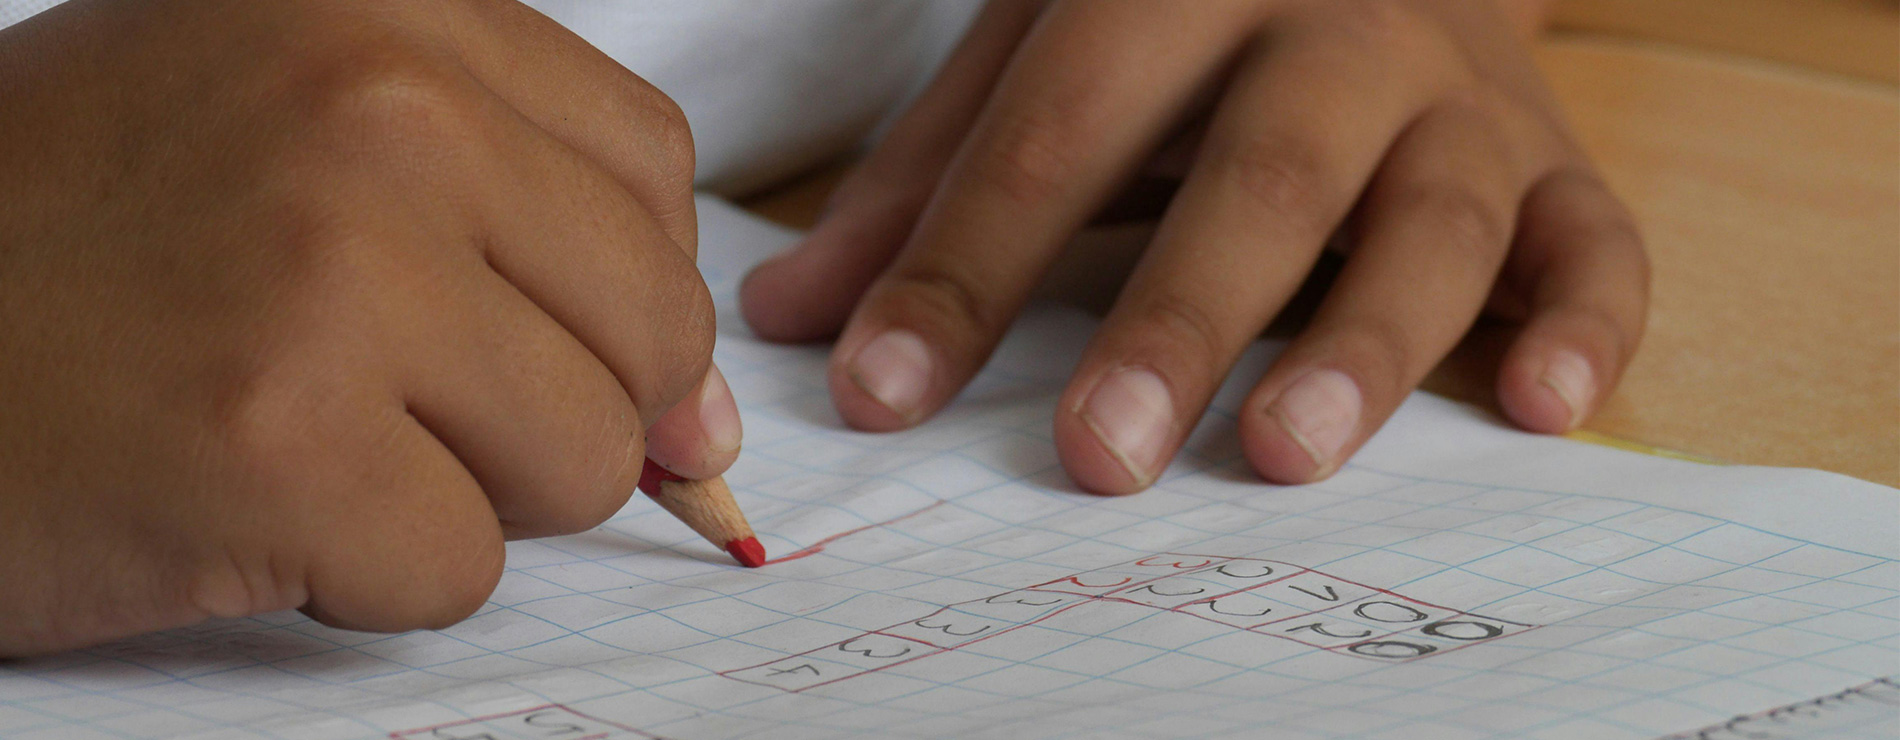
column 707, row 507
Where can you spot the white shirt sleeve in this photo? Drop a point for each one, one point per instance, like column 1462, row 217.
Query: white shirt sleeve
column 773, row 87
column 14, row 11
column 770, row 86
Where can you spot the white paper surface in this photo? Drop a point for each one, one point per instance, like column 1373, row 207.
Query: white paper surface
column 1458, row 580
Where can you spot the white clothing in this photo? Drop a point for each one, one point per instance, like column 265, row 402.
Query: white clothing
column 770, row 86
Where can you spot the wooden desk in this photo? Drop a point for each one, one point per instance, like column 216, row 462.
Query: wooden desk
column 1770, row 195
column 1854, row 38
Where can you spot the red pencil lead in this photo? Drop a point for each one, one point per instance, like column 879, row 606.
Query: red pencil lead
column 747, row 551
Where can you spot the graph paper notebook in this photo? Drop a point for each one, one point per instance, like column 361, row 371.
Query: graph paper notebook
column 1458, row 580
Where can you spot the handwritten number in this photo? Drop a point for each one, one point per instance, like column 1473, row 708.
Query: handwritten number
column 1021, row 600
column 1265, row 570
column 1320, row 627
column 1410, row 614
column 1331, row 595
column 554, row 726
column 1391, row 649
column 805, row 667
column 1439, row 629
column 945, row 628
column 1150, row 588
column 1214, row 606
column 870, row 652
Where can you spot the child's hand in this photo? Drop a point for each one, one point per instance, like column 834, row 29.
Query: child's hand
column 1421, row 125
column 311, row 304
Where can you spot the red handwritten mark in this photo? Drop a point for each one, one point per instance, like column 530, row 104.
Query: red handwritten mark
column 1178, row 564
column 1076, row 579
column 404, row 734
column 820, row 545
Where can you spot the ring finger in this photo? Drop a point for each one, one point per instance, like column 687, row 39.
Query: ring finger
column 1436, row 226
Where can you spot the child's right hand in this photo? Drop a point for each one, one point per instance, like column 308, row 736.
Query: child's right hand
column 311, row 304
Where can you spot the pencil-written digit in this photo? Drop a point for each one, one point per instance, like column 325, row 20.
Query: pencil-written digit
column 550, row 724
column 1397, row 614
column 1150, row 588
column 998, row 599
column 946, row 628
column 1229, row 570
column 1214, row 606
column 1320, row 627
column 1455, row 629
column 870, row 652
column 1391, row 649
column 1331, row 595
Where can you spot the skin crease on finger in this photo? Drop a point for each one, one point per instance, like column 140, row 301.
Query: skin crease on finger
column 274, row 339
column 1544, row 232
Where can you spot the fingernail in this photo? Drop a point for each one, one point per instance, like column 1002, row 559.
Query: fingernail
column 719, row 415
column 1569, row 376
column 1132, row 415
column 895, row 369
column 1319, row 412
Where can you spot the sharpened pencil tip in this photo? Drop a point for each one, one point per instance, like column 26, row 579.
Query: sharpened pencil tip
column 748, row 552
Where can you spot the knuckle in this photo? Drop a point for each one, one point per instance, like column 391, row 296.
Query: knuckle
column 1381, row 353
column 942, row 294
column 254, row 414
column 1030, row 157
column 696, row 346
column 1285, row 181
column 672, row 131
column 1605, row 224
column 1619, row 234
column 592, row 478
column 320, row 248
column 1191, row 327
column 682, row 359
column 618, row 453
column 391, row 95
column 1463, row 221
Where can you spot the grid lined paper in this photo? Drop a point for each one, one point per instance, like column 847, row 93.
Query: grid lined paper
column 1456, row 581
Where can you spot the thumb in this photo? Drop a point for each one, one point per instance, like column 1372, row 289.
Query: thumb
column 699, row 437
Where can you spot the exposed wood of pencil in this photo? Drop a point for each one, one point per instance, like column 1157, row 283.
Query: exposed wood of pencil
column 707, row 507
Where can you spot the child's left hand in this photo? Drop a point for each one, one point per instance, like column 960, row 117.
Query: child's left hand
column 1421, row 126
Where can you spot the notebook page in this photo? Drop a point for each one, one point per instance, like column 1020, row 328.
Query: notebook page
column 1457, row 580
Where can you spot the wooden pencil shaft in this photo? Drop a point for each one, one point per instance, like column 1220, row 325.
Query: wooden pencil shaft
column 707, row 507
